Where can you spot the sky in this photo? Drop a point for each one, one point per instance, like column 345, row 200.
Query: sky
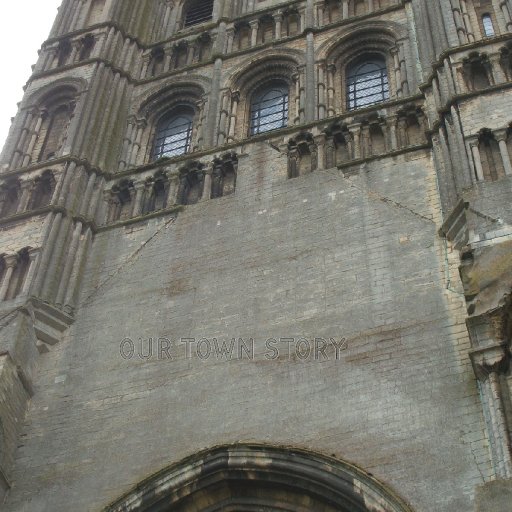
column 24, row 26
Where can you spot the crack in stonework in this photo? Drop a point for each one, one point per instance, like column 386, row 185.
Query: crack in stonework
column 131, row 259
column 386, row 200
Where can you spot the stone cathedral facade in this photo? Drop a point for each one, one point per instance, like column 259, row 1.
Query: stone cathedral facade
column 256, row 255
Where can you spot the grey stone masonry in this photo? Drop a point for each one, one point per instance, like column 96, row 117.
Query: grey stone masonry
column 257, row 255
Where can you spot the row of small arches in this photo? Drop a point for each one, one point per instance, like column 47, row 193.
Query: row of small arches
column 191, row 184
column 16, row 197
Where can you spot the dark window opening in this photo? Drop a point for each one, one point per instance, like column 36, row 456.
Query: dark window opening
column 367, row 82
column 174, row 134
column 488, row 25
column 198, row 12
column 269, row 109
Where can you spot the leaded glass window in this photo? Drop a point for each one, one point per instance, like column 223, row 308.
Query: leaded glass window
column 198, row 11
column 174, row 133
column 269, row 108
column 367, row 82
column 488, row 25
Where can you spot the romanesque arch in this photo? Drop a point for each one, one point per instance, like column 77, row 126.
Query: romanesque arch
column 257, row 477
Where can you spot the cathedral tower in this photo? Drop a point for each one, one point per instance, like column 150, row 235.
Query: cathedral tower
column 257, row 255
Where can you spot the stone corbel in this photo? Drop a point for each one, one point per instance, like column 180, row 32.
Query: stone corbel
column 486, row 360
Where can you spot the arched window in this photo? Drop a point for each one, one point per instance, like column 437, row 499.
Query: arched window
column 269, row 108
column 488, row 25
column 174, row 133
column 367, row 82
column 198, row 11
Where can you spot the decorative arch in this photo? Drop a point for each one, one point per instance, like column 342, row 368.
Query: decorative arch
column 258, row 477
column 287, row 68
column 48, row 115
column 150, row 108
column 385, row 40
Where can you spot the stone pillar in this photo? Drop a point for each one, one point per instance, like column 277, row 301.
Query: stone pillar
column 230, row 36
column 254, row 32
column 404, row 82
column 26, row 190
column 506, row 9
column 10, row 264
column 174, row 186
column 392, row 123
column 141, row 124
column 319, row 13
column 489, row 363
column 501, row 137
column 138, row 198
column 396, row 69
column 466, row 20
column 127, row 142
column 496, row 70
column 355, row 132
column 344, row 9
column 310, row 110
column 278, row 21
column 224, row 116
column 331, row 98
column 207, row 186
column 28, row 155
column 235, row 98
column 320, row 141
column 459, row 22
column 476, row 159
column 321, row 90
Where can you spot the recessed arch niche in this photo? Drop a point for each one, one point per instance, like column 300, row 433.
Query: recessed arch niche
column 256, row 478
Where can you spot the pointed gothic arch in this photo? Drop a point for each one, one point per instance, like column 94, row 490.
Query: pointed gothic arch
column 258, row 477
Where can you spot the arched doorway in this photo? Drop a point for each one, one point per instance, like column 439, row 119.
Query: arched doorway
column 256, row 478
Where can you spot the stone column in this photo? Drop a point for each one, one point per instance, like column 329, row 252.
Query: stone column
column 10, row 264
column 501, row 137
column 127, row 142
column 26, row 190
column 28, row 155
column 506, row 9
column 230, row 36
column 392, row 123
column 141, row 124
column 331, row 98
column 496, row 70
column 476, row 159
column 278, row 21
column 404, row 82
column 235, row 98
column 355, row 132
column 396, row 69
column 174, row 186
column 344, row 9
column 254, row 32
column 224, row 116
column 459, row 23
column 321, row 90
column 138, row 198
column 489, row 363
column 207, row 186
column 467, row 21
column 320, row 141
